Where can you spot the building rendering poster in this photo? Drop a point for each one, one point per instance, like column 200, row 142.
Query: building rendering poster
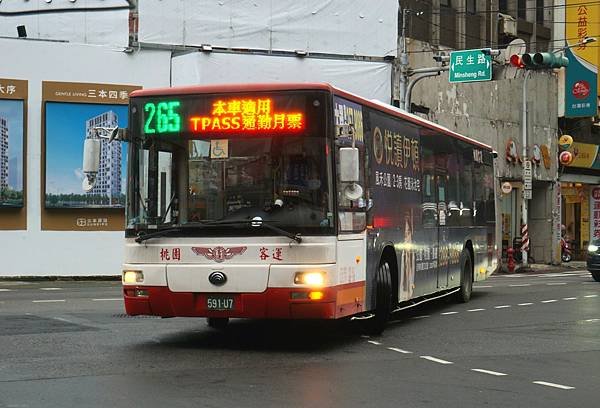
column 11, row 152
column 67, row 127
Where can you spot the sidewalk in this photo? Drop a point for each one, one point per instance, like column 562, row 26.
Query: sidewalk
column 546, row 268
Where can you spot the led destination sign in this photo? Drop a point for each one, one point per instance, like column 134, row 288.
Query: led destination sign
column 246, row 115
column 222, row 116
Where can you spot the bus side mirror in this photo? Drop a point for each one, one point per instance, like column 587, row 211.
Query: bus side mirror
column 349, row 165
column 91, row 163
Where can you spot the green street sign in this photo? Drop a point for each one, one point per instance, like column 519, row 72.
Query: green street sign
column 470, row 66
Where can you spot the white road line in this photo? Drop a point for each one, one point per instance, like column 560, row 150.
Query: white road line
column 100, row 300
column 483, row 286
column 421, row 317
column 49, row 301
column 399, row 350
column 549, row 301
column 448, row 313
column 374, row 342
column 520, row 285
column 50, row 288
column 436, row 360
column 592, row 320
column 501, row 307
column 556, row 283
column 481, row 370
column 570, row 298
column 589, row 283
column 590, row 296
column 525, row 304
column 5, row 290
column 562, row 387
column 475, row 310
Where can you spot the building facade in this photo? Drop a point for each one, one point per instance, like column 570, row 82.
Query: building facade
column 492, row 111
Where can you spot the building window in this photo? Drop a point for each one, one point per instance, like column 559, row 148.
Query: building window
column 472, row 6
column 539, row 12
column 503, row 6
column 522, row 9
column 447, row 3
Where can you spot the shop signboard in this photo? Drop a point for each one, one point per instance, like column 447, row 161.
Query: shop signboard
column 527, row 179
column 595, row 211
column 581, row 83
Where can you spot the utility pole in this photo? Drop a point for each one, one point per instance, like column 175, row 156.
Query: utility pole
column 403, row 61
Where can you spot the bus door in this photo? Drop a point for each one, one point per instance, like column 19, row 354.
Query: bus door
column 441, row 176
column 428, row 277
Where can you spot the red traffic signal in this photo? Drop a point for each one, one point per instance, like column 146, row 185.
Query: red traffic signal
column 517, row 61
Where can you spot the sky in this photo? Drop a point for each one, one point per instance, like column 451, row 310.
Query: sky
column 12, row 110
column 65, row 133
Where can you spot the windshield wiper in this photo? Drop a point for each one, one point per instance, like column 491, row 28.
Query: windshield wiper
column 256, row 223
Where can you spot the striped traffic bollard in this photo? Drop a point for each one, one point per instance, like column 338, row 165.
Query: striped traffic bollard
column 524, row 238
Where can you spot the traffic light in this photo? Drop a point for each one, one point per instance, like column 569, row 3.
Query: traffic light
column 539, row 60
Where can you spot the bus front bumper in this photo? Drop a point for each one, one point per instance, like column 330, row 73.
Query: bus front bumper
column 274, row 303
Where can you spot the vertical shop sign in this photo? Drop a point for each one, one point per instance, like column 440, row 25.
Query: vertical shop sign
column 581, row 84
column 595, row 211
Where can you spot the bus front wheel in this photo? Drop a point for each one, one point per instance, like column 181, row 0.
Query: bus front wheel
column 466, row 277
column 383, row 300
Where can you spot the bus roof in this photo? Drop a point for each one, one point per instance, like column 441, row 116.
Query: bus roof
column 296, row 86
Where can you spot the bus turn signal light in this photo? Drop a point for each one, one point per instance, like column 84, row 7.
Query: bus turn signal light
column 315, row 295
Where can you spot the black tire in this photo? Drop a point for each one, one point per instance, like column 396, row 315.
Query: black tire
column 383, row 300
column 218, row 323
column 466, row 277
column 596, row 275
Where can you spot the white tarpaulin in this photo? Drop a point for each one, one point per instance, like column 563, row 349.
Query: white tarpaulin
column 359, row 27
column 371, row 80
column 59, row 20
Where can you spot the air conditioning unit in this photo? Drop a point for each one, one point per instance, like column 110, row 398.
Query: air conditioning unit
column 507, row 25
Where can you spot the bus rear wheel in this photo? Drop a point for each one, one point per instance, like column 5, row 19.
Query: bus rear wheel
column 466, row 277
column 217, row 322
column 383, row 300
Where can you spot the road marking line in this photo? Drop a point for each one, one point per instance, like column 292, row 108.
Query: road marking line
column 436, row 360
column 562, row 387
column 556, row 283
column 525, row 304
column 448, row 313
column 475, row 310
column 501, row 307
column 399, row 350
column 483, row 286
column 374, row 342
column 520, row 285
column 589, row 283
column 590, row 296
column 570, row 298
column 50, row 288
column 549, row 301
column 364, row 336
column 49, row 301
column 481, row 370
column 421, row 317
column 5, row 290
column 102, row 299
column 592, row 320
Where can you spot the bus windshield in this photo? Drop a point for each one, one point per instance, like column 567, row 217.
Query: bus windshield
column 225, row 164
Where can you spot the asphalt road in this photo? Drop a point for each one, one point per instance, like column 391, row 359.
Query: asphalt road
column 523, row 341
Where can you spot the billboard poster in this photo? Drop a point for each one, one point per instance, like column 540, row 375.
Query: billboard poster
column 73, row 113
column 13, row 111
column 64, row 155
column 581, row 83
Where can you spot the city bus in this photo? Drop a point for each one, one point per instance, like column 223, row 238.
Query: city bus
column 299, row 201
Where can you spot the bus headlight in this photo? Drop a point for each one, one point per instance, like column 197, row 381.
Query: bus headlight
column 133, row 277
column 592, row 248
column 310, row 278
